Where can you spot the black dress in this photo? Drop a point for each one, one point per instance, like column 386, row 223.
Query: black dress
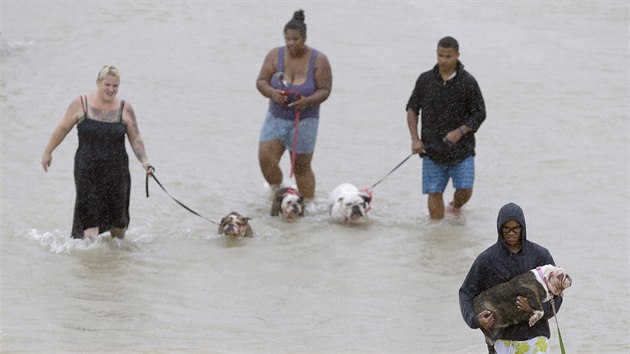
column 101, row 175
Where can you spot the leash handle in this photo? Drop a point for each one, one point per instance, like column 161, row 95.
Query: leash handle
column 390, row 172
column 175, row 199
column 146, row 180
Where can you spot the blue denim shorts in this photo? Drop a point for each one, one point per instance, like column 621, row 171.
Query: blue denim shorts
column 283, row 129
column 435, row 176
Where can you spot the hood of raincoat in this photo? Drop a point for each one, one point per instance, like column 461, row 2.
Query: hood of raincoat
column 508, row 212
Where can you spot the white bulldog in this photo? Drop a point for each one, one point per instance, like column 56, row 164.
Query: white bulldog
column 287, row 203
column 348, row 204
column 235, row 225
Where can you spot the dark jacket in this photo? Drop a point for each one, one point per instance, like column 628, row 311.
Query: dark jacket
column 498, row 264
column 445, row 106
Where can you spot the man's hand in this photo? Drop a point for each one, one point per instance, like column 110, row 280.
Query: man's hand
column 523, row 305
column 486, row 319
column 417, row 147
column 453, row 136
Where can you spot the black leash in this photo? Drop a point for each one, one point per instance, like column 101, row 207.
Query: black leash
column 177, row 201
column 390, row 172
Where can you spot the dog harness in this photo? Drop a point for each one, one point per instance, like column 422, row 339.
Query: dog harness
column 290, row 191
column 546, row 285
column 369, row 204
column 553, row 307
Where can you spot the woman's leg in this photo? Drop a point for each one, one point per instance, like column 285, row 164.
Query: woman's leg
column 269, row 154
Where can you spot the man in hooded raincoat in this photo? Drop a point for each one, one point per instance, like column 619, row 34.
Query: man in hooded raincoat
column 512, row 255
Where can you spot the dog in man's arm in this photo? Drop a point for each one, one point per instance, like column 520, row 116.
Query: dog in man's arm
column 500, row 299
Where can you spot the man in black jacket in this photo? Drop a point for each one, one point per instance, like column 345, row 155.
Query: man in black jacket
column 512, row 255
column 452, row 111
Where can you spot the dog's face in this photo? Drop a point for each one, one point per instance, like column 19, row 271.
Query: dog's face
column 351, row 203
column 557, row 279
column 355, row 206
column 235, row 225
column 288, row 203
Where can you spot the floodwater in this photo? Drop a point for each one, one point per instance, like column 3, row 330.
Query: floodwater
column 555, row 79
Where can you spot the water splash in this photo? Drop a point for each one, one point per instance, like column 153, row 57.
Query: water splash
column 58, row 241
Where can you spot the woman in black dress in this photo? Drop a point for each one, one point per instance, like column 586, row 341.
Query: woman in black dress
column 101, row 165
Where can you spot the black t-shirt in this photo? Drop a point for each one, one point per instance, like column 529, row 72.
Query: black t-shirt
column 445, row 106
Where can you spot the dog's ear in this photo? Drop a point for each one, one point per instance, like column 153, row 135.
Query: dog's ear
column 551, row 274
column 221, row 225
column 366, row 198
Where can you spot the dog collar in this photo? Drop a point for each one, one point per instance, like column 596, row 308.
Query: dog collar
column 290, row 191
column 546, row 285
column 369, row 193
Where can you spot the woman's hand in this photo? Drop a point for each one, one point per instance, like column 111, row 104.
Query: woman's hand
column 147, row 167
column 278, row 96
column 300, row 104
column 46, row 160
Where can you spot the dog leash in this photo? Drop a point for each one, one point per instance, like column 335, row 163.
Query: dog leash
column 295, row 136
column 553, row 307
column 370, row 190
column 390, row 172
column 152, row 174
column 289, row 97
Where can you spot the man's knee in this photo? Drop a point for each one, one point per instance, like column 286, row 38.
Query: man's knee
column 464, row 194
column 436, row 205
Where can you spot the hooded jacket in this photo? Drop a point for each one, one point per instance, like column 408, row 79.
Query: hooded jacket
column 497, row 264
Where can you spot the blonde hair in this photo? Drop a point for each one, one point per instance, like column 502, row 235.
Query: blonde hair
column 108, row 69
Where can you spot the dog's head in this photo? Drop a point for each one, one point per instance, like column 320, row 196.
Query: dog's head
column 235, row 225
column 557, row 279
column 288, row 203
column 355, row 204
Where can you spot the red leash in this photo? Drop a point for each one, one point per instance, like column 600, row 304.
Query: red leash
column 292, row 96
column 295, row 136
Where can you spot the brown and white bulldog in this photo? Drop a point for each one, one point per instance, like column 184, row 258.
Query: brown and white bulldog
column 287, row 203
column 500, row 299
column 235, row 225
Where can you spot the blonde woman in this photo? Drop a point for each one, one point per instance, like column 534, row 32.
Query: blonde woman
column 101, row 164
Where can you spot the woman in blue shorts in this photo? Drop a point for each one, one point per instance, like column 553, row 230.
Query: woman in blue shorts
column 296, row 79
